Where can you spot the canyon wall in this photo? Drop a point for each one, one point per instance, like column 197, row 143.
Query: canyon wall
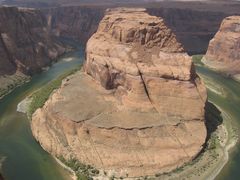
column 28, row 36
column 223, row 53
column 136, row 108
column 77, row 23
column 25, row 45
column 194, row 27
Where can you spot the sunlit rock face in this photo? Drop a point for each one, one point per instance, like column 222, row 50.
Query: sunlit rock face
column 136, row 108
column 139, row 57
column 224, row 49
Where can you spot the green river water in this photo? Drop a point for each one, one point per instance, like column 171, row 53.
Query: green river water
column 225, row 93
column 26, row 160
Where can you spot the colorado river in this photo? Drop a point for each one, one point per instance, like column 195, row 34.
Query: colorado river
column 225, row 93
column 23, row 157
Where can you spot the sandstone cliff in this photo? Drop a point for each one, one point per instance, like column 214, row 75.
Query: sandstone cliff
column 25, row 44
column 224, row 49
column 77, row 23
column 194, row 24
column 194, row 28
column 137, row 108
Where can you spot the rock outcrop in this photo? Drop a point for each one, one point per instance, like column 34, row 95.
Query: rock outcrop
column 136, row 109
column 224, row 49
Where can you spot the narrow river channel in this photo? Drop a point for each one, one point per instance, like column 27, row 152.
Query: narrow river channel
column 24, row 158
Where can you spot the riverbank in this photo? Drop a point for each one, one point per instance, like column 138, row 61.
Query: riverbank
column 10, row 82
column 221, row 68
column 39, row 97
column 74, row 175
column 16, row 141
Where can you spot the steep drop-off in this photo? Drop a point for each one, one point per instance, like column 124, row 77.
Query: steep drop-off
column 28, row 36
column 194, row 27
column 136, row 109
column 224, row 49
column 25, row 45
column 78, row 23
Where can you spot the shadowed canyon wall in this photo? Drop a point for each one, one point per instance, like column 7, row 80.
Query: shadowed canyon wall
column 25, row 37
column 193, row 28
column 25, row 43
column 28, row 38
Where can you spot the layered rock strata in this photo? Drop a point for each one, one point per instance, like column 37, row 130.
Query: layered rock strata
column 25, row 44
column 194, row 24
column 136, row 109
column 224, row 49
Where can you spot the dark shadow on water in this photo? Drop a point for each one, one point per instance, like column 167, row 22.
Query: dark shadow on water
column 213, row 118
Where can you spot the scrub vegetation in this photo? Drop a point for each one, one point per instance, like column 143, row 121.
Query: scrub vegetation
column 83, row 172
column 40, row 96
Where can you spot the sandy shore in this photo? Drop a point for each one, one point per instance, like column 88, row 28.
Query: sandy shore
column 23, row 105
column 10, row 82
column 227, row 146
column 74, row 176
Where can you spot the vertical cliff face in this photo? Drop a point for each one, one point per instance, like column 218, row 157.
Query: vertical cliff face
column 78, row 23
column 194, row 29
column 137, row 108
column 25, row 44
column 224, row 49
column 139, row 56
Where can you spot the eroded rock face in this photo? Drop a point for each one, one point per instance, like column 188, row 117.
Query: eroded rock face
column 143, row 61
column 26, row 46
column 25, row 43
column 224, row 49
column 75, row 22
column 136, row 109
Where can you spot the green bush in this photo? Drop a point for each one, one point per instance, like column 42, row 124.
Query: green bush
column 83, row 172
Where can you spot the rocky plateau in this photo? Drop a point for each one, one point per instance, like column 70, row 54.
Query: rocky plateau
column 137, row 106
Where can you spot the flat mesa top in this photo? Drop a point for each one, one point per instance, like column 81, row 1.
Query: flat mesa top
column 135, row 26
column 99, row 109
column 134, row 17
column 124, row 10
